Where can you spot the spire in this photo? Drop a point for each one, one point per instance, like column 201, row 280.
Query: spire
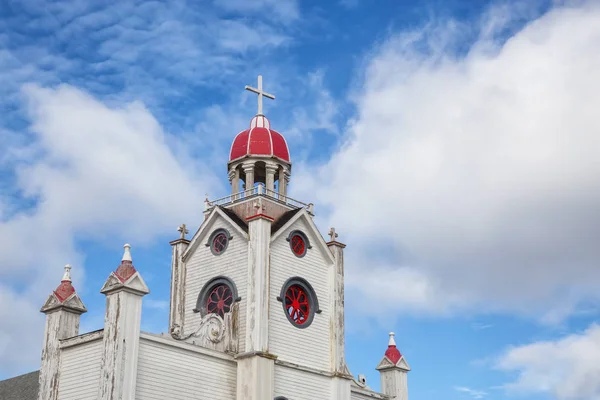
column 392, row 353
column 67, row 275
column 65, row 289
column 126, row 269
column 127, row 252
column 392, row 341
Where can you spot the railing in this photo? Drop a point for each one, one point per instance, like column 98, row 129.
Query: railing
column 258, row 190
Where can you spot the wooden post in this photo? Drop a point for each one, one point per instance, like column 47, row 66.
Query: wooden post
column 63, row 309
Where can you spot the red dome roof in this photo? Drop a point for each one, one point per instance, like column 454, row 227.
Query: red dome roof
column 259, row 140
column 392, row 352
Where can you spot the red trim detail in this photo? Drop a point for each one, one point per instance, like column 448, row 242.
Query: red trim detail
column 260, row 216
column 125, row 271
column 297, row 305
column 393, row 354
column 64, row 291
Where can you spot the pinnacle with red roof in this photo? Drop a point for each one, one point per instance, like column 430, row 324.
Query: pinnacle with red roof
column 64, row 296
column 125, row 276
column 393, row 357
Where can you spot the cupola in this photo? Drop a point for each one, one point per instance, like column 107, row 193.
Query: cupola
column 259, row 154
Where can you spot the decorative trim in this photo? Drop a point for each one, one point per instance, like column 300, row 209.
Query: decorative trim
column 207, row 288
column 211, row 327
column 212, row 237
column 304, row 237
column 313, row 301
column 257, row 216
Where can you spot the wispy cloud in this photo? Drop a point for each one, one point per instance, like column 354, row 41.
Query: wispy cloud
column 475, row 394
column 478, row 326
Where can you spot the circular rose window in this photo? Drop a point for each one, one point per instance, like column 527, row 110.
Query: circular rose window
column 219, row 300
column 297, row 304
column 298, row 245
column 219, row 242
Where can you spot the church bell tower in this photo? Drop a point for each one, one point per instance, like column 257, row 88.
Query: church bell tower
column 258, row 281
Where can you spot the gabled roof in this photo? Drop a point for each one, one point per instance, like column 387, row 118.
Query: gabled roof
column 293, row 217
column 234, row 217
column 283, row 220
column 23, row 387
column 224, row 213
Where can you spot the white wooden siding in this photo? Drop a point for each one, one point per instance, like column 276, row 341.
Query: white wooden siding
column 166, row 372
column 80, row 371
column 203, row 265
column 296, row 384
column 309, row 346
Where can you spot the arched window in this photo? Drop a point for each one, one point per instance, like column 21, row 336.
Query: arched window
column 217, row 297
column 299, row 301
column 299, row 243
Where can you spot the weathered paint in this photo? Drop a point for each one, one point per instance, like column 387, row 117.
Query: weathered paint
column 62, row 321
column 311, row 347
column 121, row 337
column 80, row 370
column 338, row 358
column 255, row 377
column 169, row 369
column 257, row 314
column 394, row 378
column 202, row 265
column 60, row 324
column 178, row 273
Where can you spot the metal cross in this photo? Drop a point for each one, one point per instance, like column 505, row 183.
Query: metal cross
column 332, row 234
column 183, row 230
column 260, row 94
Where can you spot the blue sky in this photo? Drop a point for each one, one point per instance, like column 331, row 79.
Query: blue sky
column 451, row 143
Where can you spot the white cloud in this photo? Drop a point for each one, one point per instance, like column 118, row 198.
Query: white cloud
column 97, row 173
column 567, row 368
column 470, row 182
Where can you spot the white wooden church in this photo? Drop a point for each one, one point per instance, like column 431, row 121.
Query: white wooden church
column 256, row 313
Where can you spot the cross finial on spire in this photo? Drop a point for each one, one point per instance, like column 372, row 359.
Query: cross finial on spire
column 332, row 234
column 260, row 93
column 67, row 275
column 183, row 231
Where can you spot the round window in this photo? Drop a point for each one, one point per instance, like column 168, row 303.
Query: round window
column 218, row 241
column 219, row 300
column 298, row 245
column 217, row 297
column 299, row 302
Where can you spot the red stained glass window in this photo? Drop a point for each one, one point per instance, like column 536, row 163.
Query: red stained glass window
column 298, row 245
column 297, row 304
column 219, row 243
column 219, row 300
